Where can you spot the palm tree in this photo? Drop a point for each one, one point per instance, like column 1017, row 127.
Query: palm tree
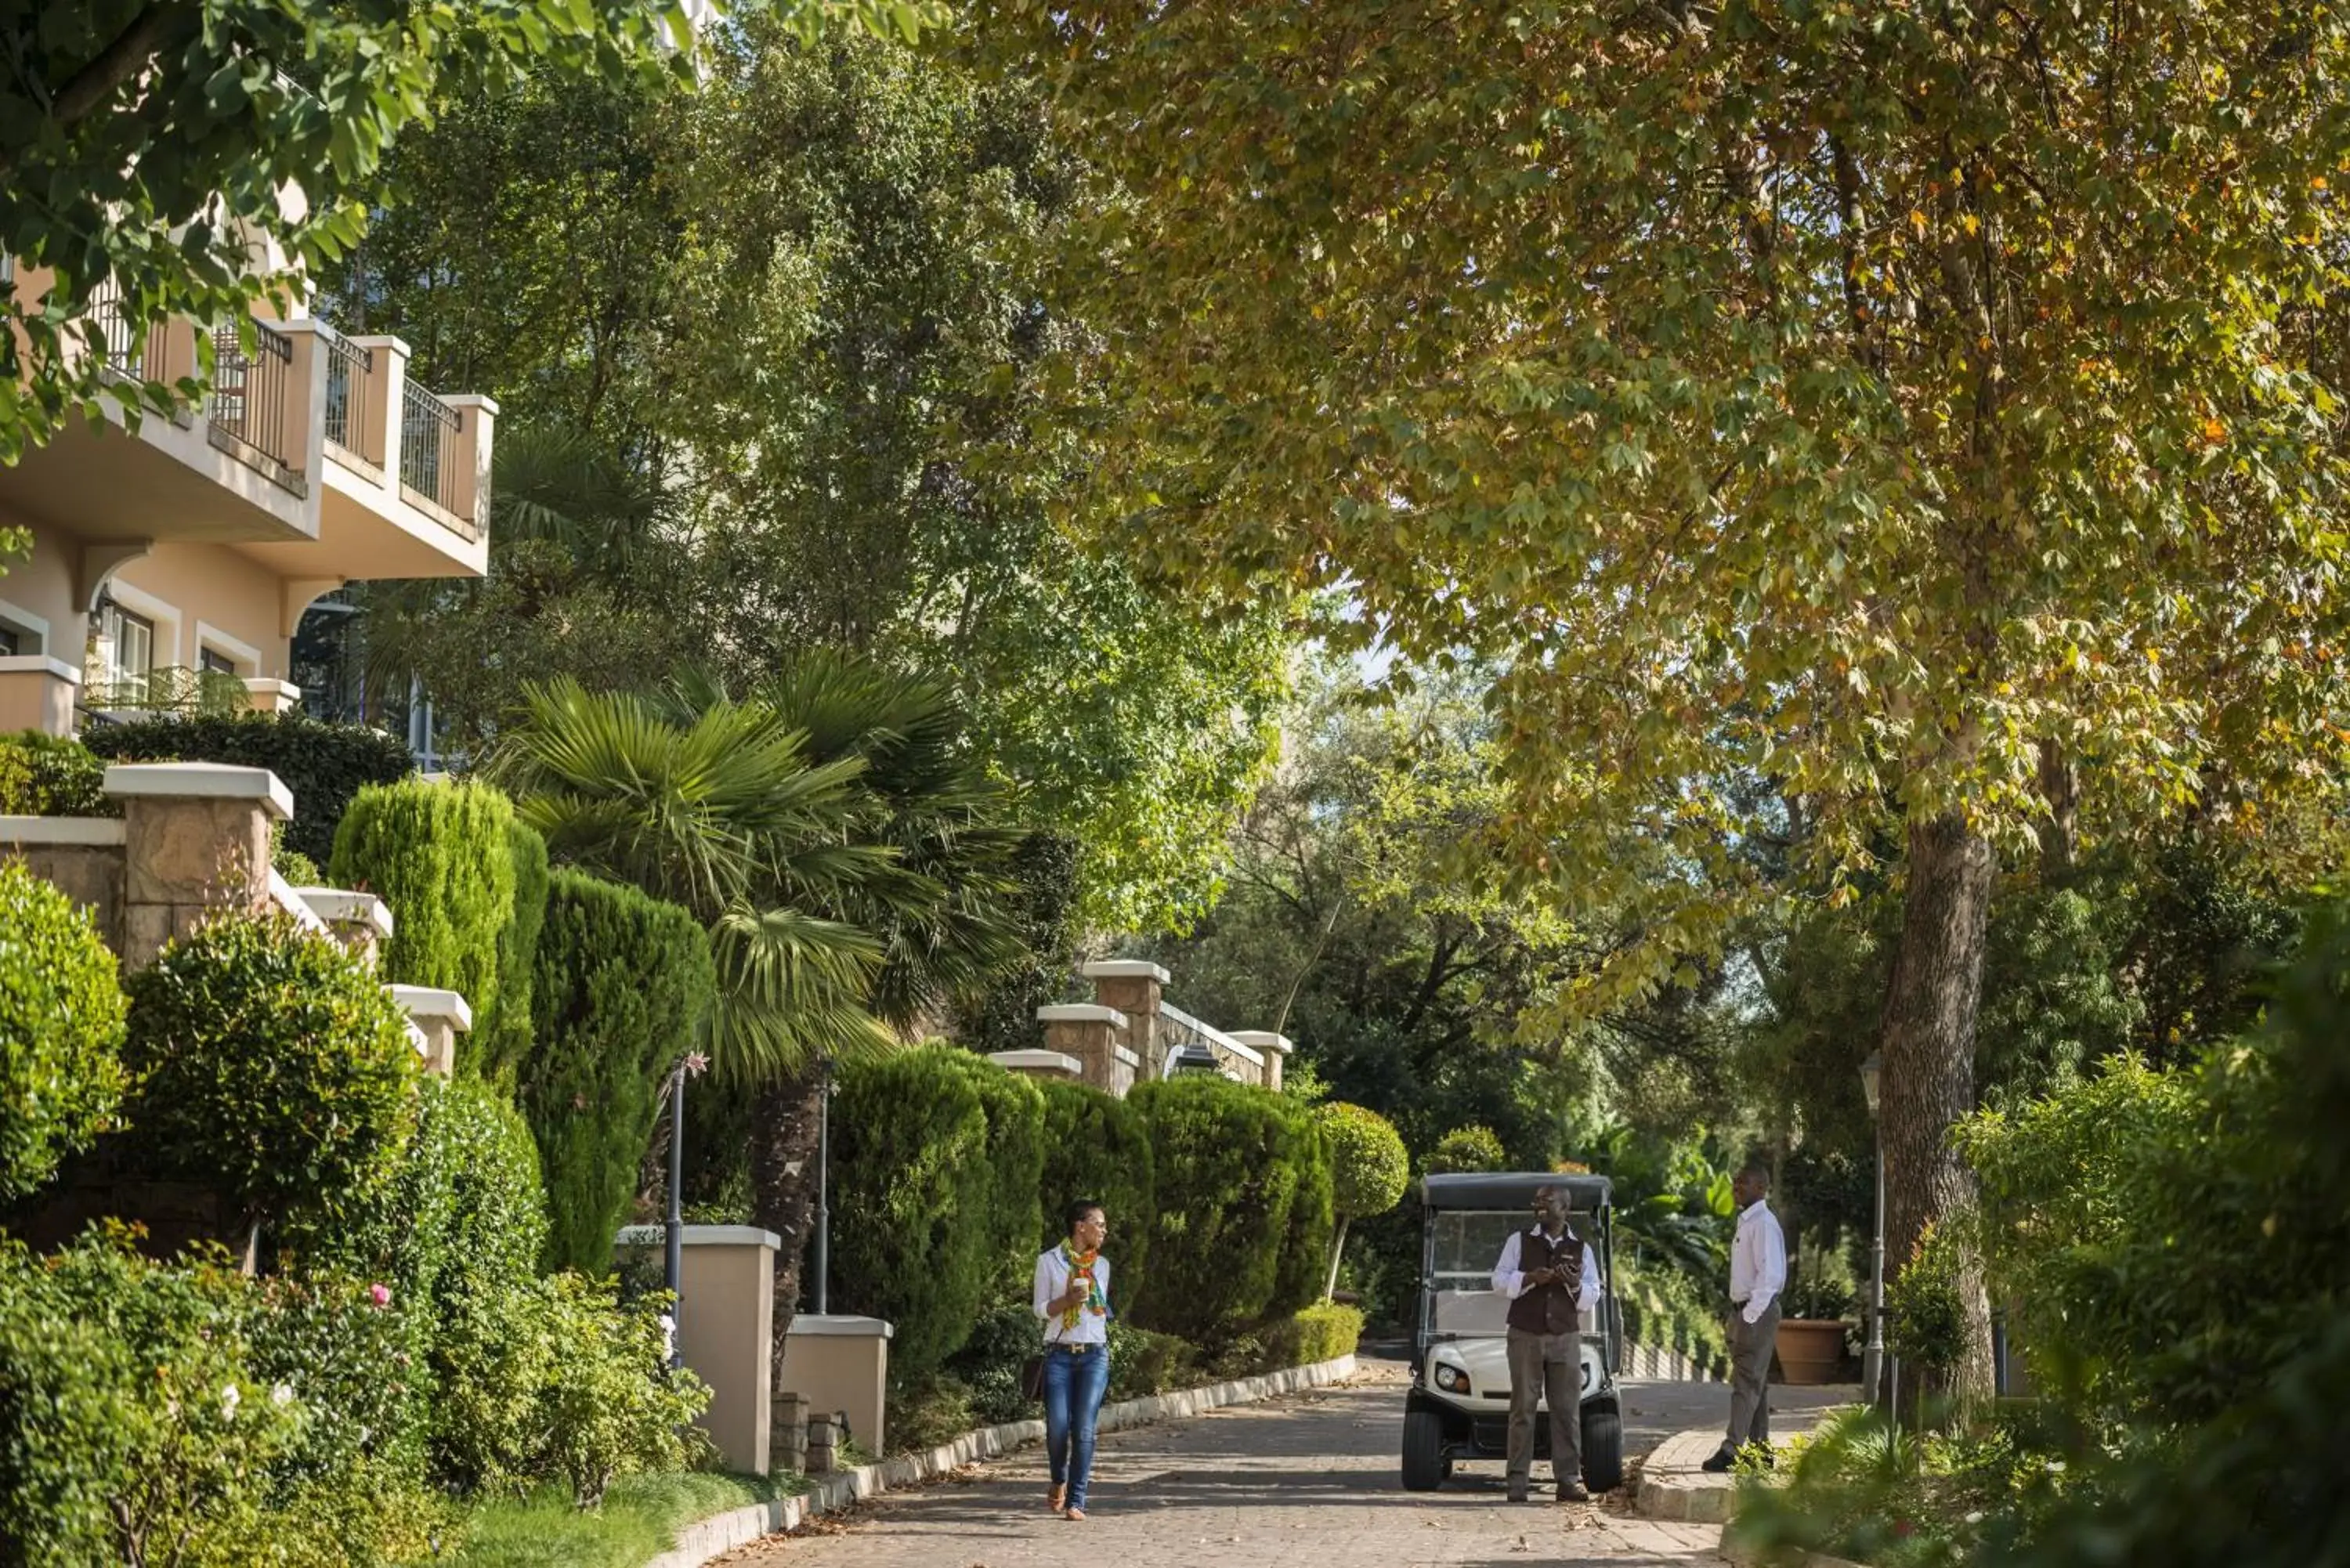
column 848, row 855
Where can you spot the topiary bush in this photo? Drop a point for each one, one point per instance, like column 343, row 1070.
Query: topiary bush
column 1323, row 1331
column 911, row 1237
column 1466, row 1148
column 1098, row 1147
column 501, row 1040
column 61, row 1029
column 273, row 1066
column 44, row 776
column 1229, row 1162
column 1369, row 1168
column 623, row 986
column 325, row 764
column 444, row 856
column 1013, row 1213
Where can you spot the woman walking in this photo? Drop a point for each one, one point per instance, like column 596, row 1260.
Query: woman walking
column 1072, row 1297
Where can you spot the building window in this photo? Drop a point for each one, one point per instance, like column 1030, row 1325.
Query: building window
column 125, row 655
column 213, row 661
column 8, row 649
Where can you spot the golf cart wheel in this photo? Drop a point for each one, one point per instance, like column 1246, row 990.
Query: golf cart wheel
column 1423, row 1450
column 1603, row 1451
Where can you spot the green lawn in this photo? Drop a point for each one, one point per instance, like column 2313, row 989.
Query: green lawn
column 637, row 1521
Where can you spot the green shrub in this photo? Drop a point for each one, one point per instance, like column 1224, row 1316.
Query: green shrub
column 988, row 1365
column 1925, row 1305
column 127, row 1411
column 623, row 985
column 1098, row 1147
column 501, row 1039
column 1370, row 1169
column 351, row 1367
column 271, row 1066
column 1466, row 1148
column 610, row 1406
column 298, row 869
column 1227, row 1226
column 1666, row 1309
column 1011, row 1213
column 42, row 775
column 61, row 1028
column 444, row 856
column 325, row 764
column 911, row 1241
column 1143, row 1362
column 1323, row 1331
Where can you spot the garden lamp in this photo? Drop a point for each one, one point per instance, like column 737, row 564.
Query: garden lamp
column 1872, row 1355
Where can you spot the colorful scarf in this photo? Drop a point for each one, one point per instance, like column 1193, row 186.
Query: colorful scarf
column 1081, row 1267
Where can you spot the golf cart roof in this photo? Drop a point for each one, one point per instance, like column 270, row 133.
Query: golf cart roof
column 1512, row 1190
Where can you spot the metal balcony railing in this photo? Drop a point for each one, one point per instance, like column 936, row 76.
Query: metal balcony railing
column 428, row 452
column 128, row 347
column 350, row 372
column 249, row 399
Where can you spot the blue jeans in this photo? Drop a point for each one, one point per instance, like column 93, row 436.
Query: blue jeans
column 1074, row 1387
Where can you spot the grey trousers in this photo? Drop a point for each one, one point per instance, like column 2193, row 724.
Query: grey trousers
column 1750, row 1345
column 1546, row 1366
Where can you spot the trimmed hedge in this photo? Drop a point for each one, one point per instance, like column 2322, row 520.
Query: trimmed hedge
column 501, row 1039
column 271, row 1066
column 912, row 1180
column 1240, row 1222
column 61, row 1031
column 1323, row 1331
column 443, row 856
column 42, row 775
column 1012, row 1211
column 623, row 985
column 325, row 764
column 1098, row 1147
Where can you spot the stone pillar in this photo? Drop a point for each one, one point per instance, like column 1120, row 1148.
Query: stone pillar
column 267, row 695
column 37, row 693
column 1135, row 988
column 439, row 1016
column 195, row 842
column 1038, row 1064
column 1274, row 1048
column 725, row 1325
column 1091, row 1034
column 842, row 1365
column 360, row 921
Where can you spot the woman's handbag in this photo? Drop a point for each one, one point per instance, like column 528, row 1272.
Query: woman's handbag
column 1032, row 1379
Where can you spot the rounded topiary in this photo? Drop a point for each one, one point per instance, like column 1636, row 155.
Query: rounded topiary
column 274, row 1066
column 1466, row 1148
column 61, row 1074
column 1370, row 1169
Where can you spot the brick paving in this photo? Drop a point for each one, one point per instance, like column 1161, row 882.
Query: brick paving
column 1309, row 1481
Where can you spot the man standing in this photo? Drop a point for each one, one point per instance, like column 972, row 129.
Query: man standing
column 1552, row 1278
column 1758, row 1272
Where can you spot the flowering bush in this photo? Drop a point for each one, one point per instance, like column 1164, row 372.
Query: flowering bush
column 61, row 1072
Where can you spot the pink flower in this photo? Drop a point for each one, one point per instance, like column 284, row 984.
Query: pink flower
column 380, row 1295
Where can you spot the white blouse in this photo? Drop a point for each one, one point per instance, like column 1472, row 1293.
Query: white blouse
column 1052, row 1280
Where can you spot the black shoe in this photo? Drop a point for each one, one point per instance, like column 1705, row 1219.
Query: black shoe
column 1517, row 1491
column 1719, row 1462
column 1575, row 1491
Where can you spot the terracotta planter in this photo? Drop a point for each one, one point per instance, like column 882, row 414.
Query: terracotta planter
column 1810, row 1350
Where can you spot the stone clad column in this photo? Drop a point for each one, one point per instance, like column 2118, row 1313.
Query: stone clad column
column 1135, row 988
column 195, row 841
column 1093, row 1037
column 1274, row 1048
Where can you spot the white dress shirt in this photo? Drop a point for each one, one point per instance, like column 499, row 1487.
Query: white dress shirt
column 1512, row 1283
column 1052, row 1279
column 1758, row 1261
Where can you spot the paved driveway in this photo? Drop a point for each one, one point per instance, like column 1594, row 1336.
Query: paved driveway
column 1305, row 1481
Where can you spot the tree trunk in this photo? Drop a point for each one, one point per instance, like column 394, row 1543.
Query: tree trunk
column 1337, row 1250
column 2060, row 786
column 1928, row 1035
column 782, row 1188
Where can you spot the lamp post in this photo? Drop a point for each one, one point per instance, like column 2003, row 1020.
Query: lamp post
column 823, row 1182
column 674, row 1230
column 1872, row 1356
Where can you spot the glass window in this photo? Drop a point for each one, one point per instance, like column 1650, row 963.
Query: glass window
column 213, row 661
column 126, row 652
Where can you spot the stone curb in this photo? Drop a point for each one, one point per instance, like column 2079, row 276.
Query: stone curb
column 697, row 1544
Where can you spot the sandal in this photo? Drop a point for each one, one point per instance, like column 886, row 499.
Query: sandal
column 1059, row 1498
column 1076, row 1515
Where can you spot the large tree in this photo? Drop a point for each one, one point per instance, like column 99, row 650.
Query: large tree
column 1929, row 406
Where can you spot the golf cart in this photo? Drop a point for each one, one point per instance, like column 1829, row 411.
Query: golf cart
column 1459, row 1407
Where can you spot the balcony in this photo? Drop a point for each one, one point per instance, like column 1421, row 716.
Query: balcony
column 312, row 453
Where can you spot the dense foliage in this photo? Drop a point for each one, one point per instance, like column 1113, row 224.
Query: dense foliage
column 42, row 775
column 913, row 1241
column 61, row 1031
column 622, row 994
column 1098, row 1147
column 501, row 1037
column 324, row 764
column 271, row 1065
column 1240, row 1222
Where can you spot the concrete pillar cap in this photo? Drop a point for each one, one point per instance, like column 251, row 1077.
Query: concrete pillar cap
column 200, row 781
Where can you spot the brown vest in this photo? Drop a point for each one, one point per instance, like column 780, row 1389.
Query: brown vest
column 1549, row 1309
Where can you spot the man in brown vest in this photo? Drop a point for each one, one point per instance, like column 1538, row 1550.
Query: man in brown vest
column 1550, row 1277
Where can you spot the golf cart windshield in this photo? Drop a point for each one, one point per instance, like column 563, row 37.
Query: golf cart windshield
column 1463, row 1246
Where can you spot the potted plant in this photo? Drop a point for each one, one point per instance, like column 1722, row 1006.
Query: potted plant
column 1817, row 1305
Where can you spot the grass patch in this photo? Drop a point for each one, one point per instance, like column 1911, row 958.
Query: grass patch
column 639, row 1520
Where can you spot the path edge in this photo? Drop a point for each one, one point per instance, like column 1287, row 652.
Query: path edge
column 720, row 1533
